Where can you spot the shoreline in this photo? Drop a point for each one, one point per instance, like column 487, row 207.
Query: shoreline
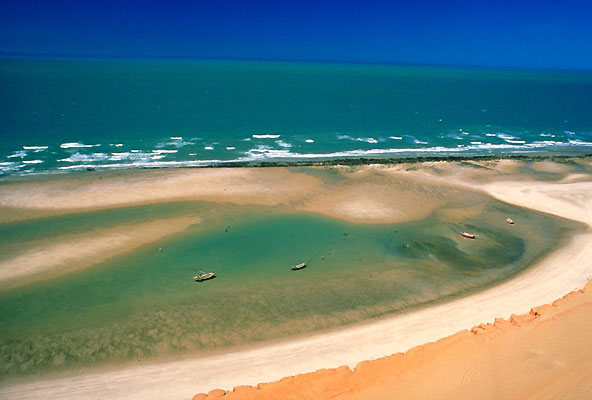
column 542, row 283
column 575, row 153
column 181, row 379
column 462, row 365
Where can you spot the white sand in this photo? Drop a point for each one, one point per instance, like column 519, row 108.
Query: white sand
column 566, row 269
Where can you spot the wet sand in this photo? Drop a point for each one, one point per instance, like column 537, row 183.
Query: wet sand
column 564, row 270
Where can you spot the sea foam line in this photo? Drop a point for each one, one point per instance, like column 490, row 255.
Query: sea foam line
column 36, row 148
column 76, row 145
column 267, row 136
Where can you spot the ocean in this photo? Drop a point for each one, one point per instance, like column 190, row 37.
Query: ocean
column 75, row 114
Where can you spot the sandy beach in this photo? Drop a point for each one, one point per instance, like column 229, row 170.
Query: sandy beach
column 562, row 190
column 544, row 354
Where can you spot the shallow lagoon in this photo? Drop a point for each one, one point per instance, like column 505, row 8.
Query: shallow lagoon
column 144, row 304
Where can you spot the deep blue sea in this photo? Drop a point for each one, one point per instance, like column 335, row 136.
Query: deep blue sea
column 73, row 114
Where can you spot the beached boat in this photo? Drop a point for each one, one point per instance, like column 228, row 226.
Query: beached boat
column 299, row 266
column 204, row 276
column 468, row 235
column 509, row 220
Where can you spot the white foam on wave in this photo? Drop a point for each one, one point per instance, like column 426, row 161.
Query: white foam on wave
column 267, row 136
column 18, row 154
column 476, row 142
column 230, row 147
column 32, row 161
column 36, row 148
column 208, row 148
column 396, row 137
column 145, row 164
column 165, row 151
column 309, row 141
column 490, row 134
column 7, row 167
column 419, row 141
column 77, row 145
column 178, row 143
column 516, row 141
column 263, row 152
column 579, row 142
column 79, row 157
column 118, row 156
column 256, row 154
column 268, row 153
column 505, row 136
column 281, row 143
column 357, row 139
column 116, row 144
column 176, row 137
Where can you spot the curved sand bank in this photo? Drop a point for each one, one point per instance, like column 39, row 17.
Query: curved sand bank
column 545, row 354
column 564, row 270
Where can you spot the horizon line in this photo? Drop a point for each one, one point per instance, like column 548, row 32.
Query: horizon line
column 13, row 54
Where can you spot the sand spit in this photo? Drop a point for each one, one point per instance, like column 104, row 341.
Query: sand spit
column 566, row 269
column 545, row 354
column 67, row 253
column 366, row 195
column 268, row 186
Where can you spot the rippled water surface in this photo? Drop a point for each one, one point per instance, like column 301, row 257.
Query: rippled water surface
column 59, row 115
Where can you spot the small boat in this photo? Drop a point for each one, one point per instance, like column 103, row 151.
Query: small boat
column 204, row 276
column 299, row 266
column 509, row 220
column 468, row 235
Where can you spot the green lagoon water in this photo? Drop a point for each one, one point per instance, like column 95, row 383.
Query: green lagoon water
column 144, row 305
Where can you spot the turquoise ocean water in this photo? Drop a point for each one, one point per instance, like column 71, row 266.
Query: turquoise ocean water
column 69, row 114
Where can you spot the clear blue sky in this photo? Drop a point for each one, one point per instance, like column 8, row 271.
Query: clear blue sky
column 514, row 33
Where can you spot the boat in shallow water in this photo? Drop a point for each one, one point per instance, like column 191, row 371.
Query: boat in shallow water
column 509, row 220
column 468, row 235
column 204, row 276
column 299, row 266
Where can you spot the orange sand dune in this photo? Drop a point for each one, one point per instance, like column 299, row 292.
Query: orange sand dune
column 546, row 354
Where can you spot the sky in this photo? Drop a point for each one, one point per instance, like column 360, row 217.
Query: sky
column 507, row 33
